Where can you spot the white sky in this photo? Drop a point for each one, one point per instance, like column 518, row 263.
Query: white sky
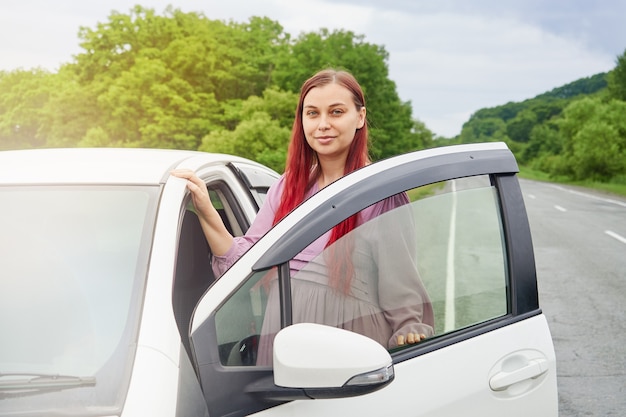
column 450, row 58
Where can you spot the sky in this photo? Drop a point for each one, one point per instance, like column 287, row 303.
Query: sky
column 449, row 58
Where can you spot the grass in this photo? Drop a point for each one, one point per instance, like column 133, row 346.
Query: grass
column 617, row 187
column 425, row 191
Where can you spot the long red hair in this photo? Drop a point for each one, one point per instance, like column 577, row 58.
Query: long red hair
column 302, row 171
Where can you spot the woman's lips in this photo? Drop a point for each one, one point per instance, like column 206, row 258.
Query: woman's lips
column 325, row 139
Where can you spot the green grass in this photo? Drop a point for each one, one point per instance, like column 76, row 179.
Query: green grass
column 617, row 187
column 425, row 191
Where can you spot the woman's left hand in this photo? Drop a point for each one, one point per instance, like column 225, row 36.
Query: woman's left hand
column 411, row 338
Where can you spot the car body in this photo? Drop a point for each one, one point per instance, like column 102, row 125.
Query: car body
column 110, row 305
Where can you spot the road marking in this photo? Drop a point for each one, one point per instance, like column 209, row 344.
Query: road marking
column 559, row 208
column 580, row 193
column 616, row 236
column 450, row 321
column 531, row 196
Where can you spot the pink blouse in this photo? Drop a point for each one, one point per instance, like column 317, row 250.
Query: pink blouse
column 265, row 219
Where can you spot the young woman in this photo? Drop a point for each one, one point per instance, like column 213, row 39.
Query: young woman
column 329, row 139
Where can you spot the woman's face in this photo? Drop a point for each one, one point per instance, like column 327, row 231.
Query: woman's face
column 330, row 120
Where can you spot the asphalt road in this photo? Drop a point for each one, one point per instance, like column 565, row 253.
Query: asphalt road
column 580, row 251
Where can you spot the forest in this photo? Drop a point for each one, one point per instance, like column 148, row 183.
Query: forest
column 180, row 80
column 575, row 132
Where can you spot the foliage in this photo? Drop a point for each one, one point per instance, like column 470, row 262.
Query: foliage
column 594, row 138
column 617, row 79
column 181, row 80
column 584, row 86
column 23, row 95
column 577, row 131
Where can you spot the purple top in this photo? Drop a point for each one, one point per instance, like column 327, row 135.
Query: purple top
column 265, row 219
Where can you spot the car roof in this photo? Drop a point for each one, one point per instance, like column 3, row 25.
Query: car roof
column 101, row 165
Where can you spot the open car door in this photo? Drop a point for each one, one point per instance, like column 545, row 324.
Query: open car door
column 461, row 242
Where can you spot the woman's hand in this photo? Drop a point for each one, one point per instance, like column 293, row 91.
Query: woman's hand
column 215, row 232
column 199, row 193
column 411, row 338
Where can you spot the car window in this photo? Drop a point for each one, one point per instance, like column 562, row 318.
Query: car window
column 73, row 269
column 429, row 261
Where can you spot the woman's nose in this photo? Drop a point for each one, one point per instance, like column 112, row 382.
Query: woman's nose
column 323, row 125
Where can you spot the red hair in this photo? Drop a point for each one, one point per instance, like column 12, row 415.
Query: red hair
column 302, row 170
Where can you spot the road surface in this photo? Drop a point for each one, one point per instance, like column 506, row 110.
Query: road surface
column 580, row 251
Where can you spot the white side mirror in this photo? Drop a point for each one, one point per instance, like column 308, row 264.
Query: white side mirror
column 315, row 356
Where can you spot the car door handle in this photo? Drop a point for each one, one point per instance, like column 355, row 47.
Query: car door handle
column 504, row 379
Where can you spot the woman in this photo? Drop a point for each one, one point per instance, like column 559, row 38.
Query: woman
column 329, row 139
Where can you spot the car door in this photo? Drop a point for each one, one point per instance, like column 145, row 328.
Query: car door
column 442, row 249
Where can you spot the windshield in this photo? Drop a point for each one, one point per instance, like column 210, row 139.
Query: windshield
column 72, row 268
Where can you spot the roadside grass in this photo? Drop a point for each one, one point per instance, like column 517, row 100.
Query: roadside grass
column 617, row 186
column 424, row 191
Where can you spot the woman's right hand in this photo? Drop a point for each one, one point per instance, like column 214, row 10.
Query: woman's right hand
column 218, row 237
column 199, row 193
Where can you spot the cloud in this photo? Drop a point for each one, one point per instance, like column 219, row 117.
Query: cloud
column 450, row 65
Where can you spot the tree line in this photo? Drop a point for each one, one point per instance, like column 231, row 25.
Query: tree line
column 576, row 132
column 184, row 81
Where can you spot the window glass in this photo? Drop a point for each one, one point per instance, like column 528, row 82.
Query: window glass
column 461, row 256
column 421, row 264
column 240, row 319
column 73, row 266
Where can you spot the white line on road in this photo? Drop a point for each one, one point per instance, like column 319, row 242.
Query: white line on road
column 616, row 236
column 587, row 195
column 450, row 321
column 559, row 208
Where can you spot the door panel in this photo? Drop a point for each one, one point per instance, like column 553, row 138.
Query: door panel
column 464, row 250
column 454, row 381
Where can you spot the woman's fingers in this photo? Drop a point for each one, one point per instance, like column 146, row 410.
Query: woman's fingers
column 411, row 338
column 195, row 184
column 182, row 173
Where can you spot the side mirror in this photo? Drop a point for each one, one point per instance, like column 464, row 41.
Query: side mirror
column 314, row 361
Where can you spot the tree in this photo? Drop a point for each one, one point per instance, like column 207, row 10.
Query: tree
column 23, row 95
column 161, row 81
column 594, row 135
column 518, row 129
column 483, row 130
column 262, row 132
column 617, row 79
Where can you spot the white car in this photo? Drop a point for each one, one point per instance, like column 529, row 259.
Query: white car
column 109, row 305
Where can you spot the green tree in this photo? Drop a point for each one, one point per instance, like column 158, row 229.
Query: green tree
column 594, row 135
column 23, row 95
column 167, row 81
column 71, row 111
column 258, row 137
column 483, row 130
column 617, row 79
column 518, row 129
column 263, row 128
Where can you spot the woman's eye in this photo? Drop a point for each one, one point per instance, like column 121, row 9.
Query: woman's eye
column 336, row 112
column 311, row 113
